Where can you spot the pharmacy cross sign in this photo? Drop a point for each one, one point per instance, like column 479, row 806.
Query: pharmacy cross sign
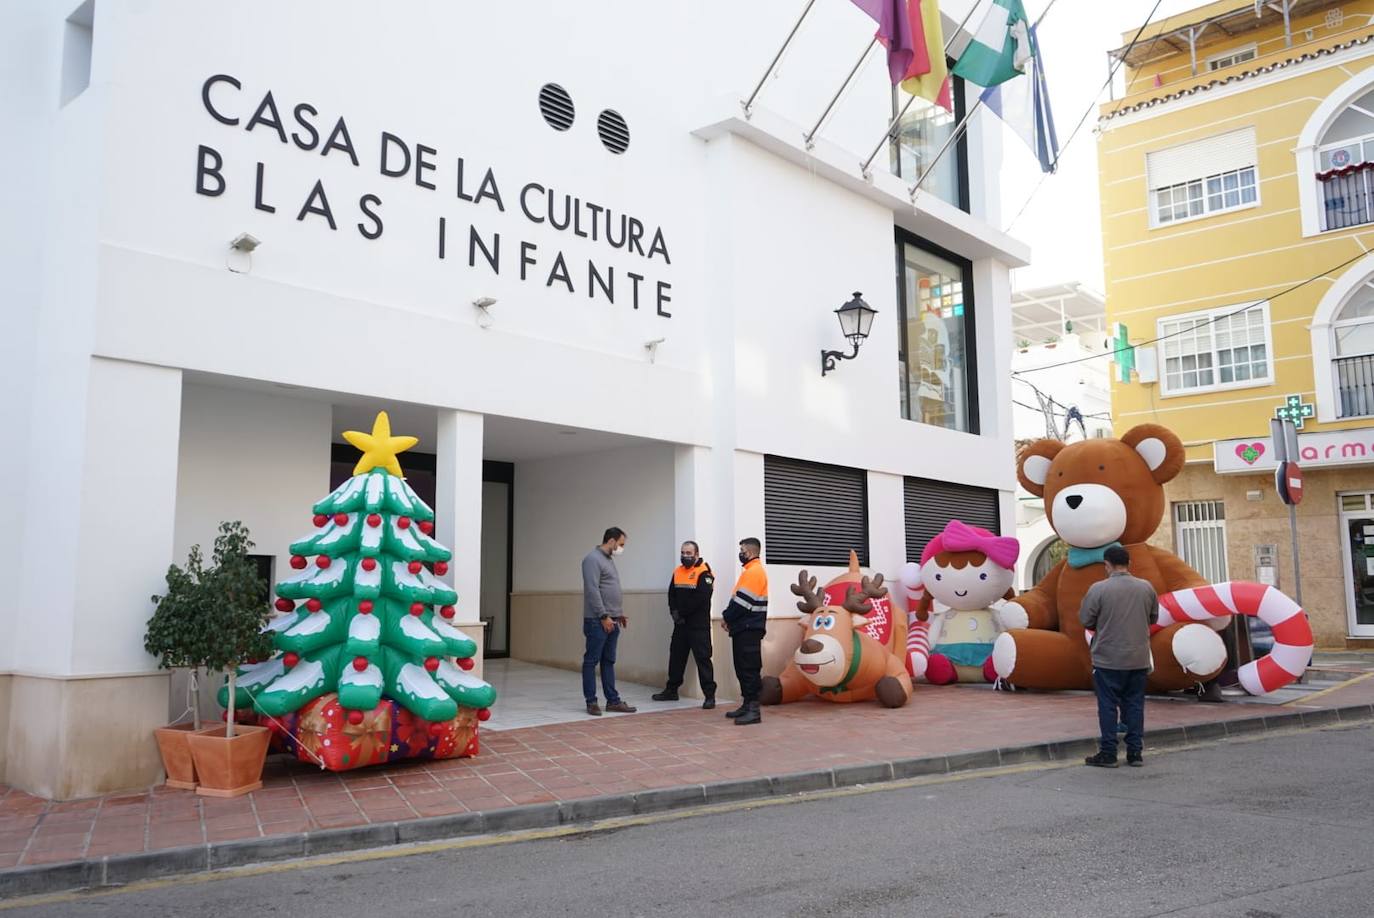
column 1123, row 353
column 1294, row 409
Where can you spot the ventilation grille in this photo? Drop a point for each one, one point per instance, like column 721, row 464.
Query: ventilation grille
column 615, row 133
column 556, row 106
column 930, row 505
column 813, row 514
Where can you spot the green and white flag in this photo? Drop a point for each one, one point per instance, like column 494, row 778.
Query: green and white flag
column 999, row 48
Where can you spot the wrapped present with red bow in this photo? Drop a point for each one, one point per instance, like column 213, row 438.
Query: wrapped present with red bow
column 322, row 731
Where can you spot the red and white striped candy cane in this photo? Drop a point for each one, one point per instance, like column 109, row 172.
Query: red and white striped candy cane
column 1292, row 631
column 918, row 632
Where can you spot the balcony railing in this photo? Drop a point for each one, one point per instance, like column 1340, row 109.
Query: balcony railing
column 1355, row 385
column 1347, row 196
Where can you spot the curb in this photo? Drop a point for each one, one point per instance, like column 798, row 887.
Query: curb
column 118, row 870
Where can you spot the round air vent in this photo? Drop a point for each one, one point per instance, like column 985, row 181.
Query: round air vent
column 556, row 106
column 615, row 133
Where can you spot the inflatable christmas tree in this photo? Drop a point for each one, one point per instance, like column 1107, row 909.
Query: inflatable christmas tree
column 366, row 640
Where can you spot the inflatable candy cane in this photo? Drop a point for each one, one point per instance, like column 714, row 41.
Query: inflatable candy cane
column 1292, row 631
column 918, row 632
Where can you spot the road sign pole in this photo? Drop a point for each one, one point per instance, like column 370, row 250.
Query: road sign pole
column 1297, row 566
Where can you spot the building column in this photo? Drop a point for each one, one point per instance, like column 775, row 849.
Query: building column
column 84, row 601
column 458, row 508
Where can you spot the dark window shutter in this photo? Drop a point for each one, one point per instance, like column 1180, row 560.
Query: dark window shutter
column 813, row 513
column 931, row 504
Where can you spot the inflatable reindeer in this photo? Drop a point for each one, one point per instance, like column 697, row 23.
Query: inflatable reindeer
column 839, row 660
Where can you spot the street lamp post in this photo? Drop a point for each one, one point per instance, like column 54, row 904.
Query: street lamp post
column 856, row 320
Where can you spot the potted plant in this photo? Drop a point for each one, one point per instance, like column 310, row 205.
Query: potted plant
column 1051, row 341
column 175, row 636
column 229, row 604
column 1023, row 345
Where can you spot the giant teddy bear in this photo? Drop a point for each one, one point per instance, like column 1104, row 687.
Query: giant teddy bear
column 1098, row 493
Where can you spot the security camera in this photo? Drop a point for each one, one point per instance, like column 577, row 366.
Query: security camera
column 244, row 242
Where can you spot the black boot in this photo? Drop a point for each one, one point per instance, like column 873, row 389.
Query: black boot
column 709, row 702
column 667, row 694
column 1210, row 692
column 743, row 706
column 751, row 715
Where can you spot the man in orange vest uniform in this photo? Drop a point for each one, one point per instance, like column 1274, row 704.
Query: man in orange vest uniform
column 689, row 603
column 746, row 618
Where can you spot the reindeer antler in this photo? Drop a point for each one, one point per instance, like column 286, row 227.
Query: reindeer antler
column 856, row 602
column 812, row 598
column 873, row 586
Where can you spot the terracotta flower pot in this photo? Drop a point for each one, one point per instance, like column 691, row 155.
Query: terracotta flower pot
column 176, row 754
column 229, row 767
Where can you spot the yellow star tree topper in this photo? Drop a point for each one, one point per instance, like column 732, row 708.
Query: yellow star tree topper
column 379, row 447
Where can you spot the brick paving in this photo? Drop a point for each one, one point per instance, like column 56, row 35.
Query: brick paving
column 578, row 760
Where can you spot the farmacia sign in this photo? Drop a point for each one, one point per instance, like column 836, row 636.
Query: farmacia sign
column 301, row 127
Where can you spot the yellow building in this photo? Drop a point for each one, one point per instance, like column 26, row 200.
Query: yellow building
column 1237, row 188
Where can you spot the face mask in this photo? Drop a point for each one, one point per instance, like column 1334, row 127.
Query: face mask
column 743, row 558
column 618, row 550
column 688, row 562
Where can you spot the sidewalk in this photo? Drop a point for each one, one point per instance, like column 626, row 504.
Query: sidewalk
column 590, row 769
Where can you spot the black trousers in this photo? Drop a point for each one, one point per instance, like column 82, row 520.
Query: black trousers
column 748, row 653
column 694, row 637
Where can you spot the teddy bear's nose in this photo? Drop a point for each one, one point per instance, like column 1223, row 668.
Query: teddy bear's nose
column 1073, row 500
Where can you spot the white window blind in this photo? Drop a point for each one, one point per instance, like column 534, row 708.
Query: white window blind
column 1210, row 156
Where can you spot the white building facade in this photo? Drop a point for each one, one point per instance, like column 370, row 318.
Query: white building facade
column 664, row 270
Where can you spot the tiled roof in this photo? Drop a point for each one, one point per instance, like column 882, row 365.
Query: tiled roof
column 1236, row 77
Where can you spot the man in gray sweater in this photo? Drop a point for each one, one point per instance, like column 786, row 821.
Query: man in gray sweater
column 603, row 616
column 1119, row 611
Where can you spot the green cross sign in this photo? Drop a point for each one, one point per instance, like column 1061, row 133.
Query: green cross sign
column 1296, row 410
column 1123, row 353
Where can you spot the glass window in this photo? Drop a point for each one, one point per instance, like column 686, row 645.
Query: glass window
column 936, row 340
column 1221, row 348
column 1223, row 191
column 919, row 137
column 1354, row 325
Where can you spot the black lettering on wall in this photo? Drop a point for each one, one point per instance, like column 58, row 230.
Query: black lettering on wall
column 524, row 205
column 267, row 114
column 659, row 246
column 636, row 231
column 443, row 227
column 318, row 204
column 389, row 140
column 636, row 278
column 492, row 255
column 376, row 230
column 208, row 166
column 526, row 256
column 559, row 273
column 205, row 97
column 299, row 112
column 594, row 280
column 421, row 165
column 339, row 140
column 257, row 192
column 663, row 297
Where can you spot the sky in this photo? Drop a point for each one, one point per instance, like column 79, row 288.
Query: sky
column 1062, row 220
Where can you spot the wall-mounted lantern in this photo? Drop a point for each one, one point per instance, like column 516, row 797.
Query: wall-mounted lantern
column 856, row 319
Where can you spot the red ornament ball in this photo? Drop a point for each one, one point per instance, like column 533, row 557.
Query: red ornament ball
column 320, row 520
column 322, row 561
column 374, row 520
column 341, row 519
column 298, row 562
column 252, row 661
column 427, row 527
column 436, row 729
column 355, row 717
column 403, row 522
column 313, row 604
column 365, row 606
column 484, row 714
column 414, row 567
column 369, row 564
column 417, row 608
column 290, row 660
column 465, row 663
column 446, row 611
column 360, row 663
column 285, row 605
column 441, row 568
column 432, row 664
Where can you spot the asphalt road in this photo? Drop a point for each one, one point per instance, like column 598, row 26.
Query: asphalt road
column 1275, row 828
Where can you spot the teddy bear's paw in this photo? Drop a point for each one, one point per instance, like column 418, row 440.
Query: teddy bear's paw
column 1198, row 649
column 1011, row 616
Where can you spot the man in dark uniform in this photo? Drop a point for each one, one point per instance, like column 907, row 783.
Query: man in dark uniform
column 689, row 603
column 746, row 620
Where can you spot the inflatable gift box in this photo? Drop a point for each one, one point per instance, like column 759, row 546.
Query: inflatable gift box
column 322, row 731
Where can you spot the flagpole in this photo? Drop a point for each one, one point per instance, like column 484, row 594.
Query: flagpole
column 748, row 103
column 892, row 126
column 843, row 86
column 963, row 124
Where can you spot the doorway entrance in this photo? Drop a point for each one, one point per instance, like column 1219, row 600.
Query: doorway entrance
column 498, row 513
column 1357, row 547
